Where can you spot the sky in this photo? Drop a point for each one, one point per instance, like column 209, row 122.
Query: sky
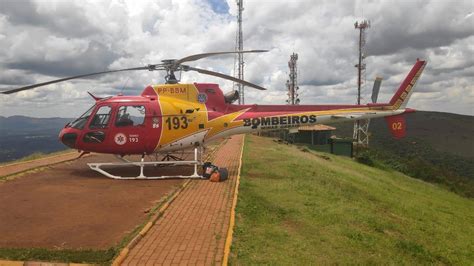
column 42, row 40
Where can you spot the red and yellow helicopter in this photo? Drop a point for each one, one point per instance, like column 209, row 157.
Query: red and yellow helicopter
column 174, row 116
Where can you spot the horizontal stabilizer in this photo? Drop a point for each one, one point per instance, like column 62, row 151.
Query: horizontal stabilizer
column 352, row 116
column 346, row 116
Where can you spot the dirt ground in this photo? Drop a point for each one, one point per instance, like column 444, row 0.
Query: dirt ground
column 70, row 206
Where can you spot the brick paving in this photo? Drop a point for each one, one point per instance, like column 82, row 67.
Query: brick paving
column 193, row 229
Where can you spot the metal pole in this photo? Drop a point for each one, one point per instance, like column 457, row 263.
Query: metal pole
column 240, row 47
column 359, row 69
column 359, row 74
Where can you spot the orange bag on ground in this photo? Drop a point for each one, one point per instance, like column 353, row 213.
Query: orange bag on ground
column 215, row 177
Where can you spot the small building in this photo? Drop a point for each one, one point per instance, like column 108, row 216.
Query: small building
column 314, row 135
column 320, row 138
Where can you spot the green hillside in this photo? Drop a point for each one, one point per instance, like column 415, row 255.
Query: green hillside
column 297, row 207
column 439, row 148
column 444, row 132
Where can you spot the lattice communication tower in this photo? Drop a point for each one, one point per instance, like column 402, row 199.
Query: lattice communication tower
column 361, row 127
column 292, row 82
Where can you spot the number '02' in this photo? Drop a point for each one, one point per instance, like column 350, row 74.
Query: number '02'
column 177, row 122
column 397, row 126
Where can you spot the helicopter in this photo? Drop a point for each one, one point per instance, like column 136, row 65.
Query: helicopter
column 173, row 116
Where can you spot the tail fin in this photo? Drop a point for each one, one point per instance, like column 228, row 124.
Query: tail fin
column 397, row 125
column 401, row 97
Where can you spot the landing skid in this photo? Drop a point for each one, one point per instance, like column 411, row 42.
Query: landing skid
column 196, row 162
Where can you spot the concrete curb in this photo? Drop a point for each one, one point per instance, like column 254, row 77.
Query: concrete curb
column 44, row 158
column 230, row 232
column 11, row 263
column 38, row 263
column 38, row 167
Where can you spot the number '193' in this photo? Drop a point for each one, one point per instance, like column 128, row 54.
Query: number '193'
column 177, row 122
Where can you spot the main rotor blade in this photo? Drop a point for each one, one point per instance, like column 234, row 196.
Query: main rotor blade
column 173, row 66
column 74, row 77
column 220, row 75
column 201, row 56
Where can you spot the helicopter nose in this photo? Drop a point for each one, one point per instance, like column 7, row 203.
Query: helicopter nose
column 68, row 138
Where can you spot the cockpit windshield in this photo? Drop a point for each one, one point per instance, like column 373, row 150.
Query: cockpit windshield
column 82, row 120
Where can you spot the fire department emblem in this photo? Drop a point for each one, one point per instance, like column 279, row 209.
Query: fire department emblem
column 202, row 98
column 120, row 139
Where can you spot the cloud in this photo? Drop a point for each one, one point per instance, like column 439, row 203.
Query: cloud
column 67, row 18
column 417, row 24
column 15, row 77
column 42, row 40
column 68, row 60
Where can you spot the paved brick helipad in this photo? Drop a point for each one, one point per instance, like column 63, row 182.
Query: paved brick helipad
column 193, row 230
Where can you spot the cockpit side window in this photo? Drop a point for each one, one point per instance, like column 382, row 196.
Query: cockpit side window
column 82, row 120
column 130, row 115
column 101, row 118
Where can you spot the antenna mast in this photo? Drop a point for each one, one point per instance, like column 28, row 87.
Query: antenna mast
column 240, row 57
column 292, row 83
column 361, row 127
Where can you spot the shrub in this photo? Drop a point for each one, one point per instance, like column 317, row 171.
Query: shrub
column 365, row 158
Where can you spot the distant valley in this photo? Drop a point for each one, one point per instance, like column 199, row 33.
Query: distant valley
column 21, row 136
column 438, row 148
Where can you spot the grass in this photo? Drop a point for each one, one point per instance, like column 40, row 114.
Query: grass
column 298, row 208
column 416, row 164
column 102, row 257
